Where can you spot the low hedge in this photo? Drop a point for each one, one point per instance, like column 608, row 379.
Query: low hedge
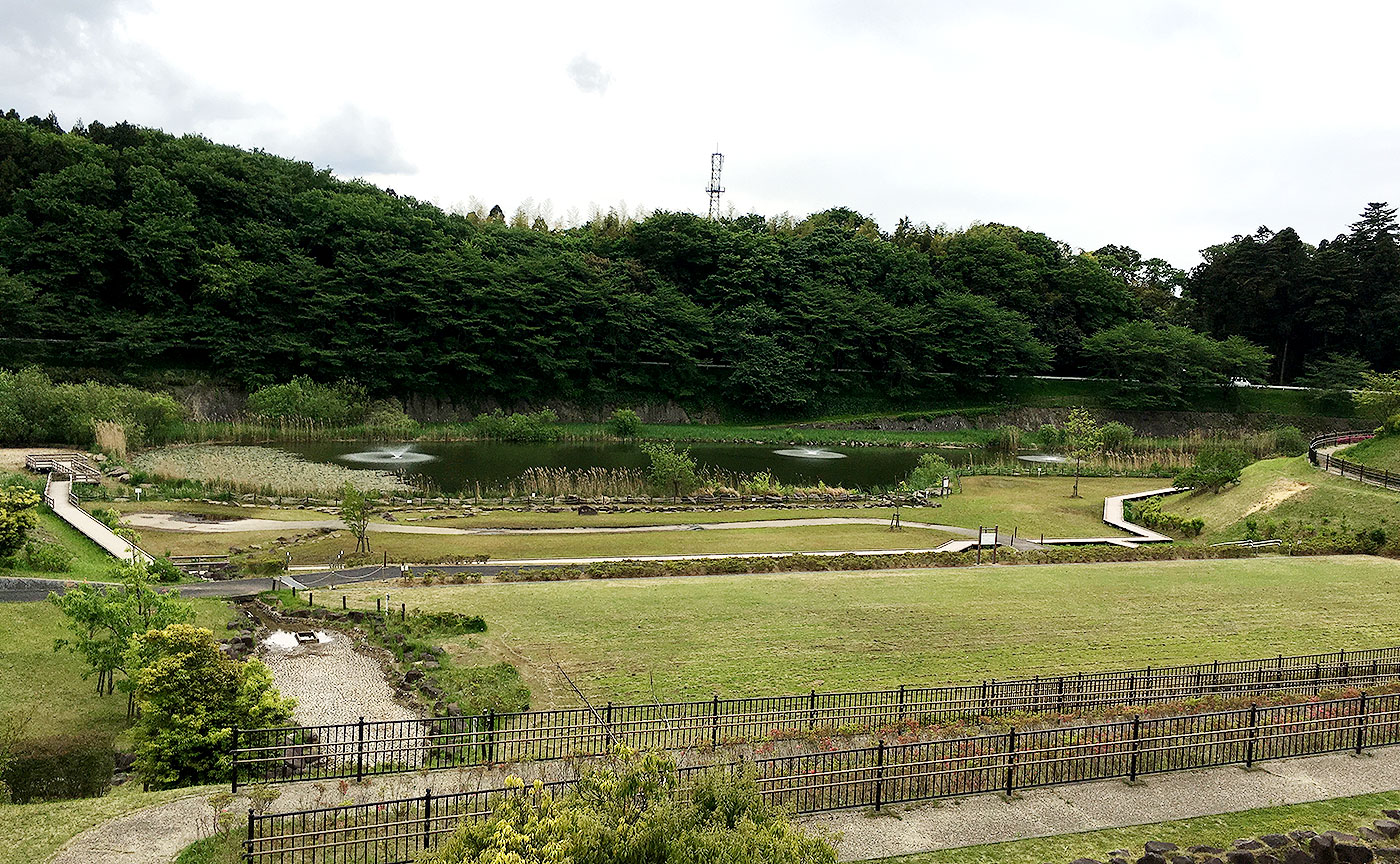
column 800, row 562
column 59, row 767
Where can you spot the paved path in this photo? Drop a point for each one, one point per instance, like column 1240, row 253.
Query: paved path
column 172, row 522
column 1336, row 470
column 1114, row 804
column 156, row 834
column 56, row 495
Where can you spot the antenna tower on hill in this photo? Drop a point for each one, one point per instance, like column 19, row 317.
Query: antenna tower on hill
column 716, row 163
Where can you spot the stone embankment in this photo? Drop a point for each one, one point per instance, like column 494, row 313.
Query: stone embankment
column 1375, row 842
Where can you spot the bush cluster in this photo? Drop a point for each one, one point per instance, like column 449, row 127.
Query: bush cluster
column 39, row 557
column 36, row 410
column 1149, row 513
column 624, row 423
column 60, row 766
column 542, row 425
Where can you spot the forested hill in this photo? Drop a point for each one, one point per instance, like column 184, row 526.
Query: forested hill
column 154, row 251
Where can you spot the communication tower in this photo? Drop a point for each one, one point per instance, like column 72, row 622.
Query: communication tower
column 716, row 163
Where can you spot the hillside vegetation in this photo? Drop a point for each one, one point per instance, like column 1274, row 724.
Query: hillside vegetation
column 182, row 253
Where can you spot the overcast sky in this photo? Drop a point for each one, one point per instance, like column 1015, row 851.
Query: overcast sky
column 1166, row 126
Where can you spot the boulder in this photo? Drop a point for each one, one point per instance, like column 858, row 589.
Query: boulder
column 1205, row 850
column 1388, row 827
column 1275, row 841
column 1240, row 856
column 1159, row 846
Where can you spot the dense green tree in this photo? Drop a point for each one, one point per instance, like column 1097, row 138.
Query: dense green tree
column 18, row 516
column 1168, row 366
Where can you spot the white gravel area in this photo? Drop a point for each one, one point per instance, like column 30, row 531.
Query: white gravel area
column 906, row 829
column 333, row 682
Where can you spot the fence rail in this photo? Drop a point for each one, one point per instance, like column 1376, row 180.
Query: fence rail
column 391, row 832
column 366, row 748
column 1347, row 468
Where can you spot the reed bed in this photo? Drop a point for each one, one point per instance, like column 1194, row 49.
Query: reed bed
column 259, row 470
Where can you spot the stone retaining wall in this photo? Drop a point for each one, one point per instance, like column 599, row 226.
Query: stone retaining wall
column 1379, row 841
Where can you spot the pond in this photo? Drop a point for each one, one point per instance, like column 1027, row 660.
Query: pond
column 458, row 466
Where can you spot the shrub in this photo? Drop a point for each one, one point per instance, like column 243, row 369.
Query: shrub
column 109, row 516
column 540, row 426
column 1149, row 513
column 624, row 423
column 45, row 557
column 190, row 696
column 1216, row 467
column 34, row 409
column 17, row 517
column 1290, row 441
column 304, row 400
column 1050, row 437
column 1116, row 436
column 164, row 570
column 1005, row 438
column 60, row 766
column 634, row 809
column 386, row 418
column 929, row 473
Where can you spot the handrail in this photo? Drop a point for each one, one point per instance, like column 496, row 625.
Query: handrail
column 1345, row 467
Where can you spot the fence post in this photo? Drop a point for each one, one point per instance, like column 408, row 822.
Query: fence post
column 1133, row 758
column 979, row 544
column 879, row 771
column 1317, row 679
column 812, row 710
column 1132, row 689
column 984, row 697
column 360, row 751
column 1253, row 735
column 1060, row 696
column 342, row 602
column 1010, row 760
column 248, row 844
column 234, row 761
column 490, row 735
column 901, row 703
column 714, row 721
column 427, row 815
column 1360, row 723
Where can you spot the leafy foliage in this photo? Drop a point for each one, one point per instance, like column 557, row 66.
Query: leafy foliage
column 624, row 423
column 929, row 472
column 1216, row 467
column 18, row 516
column 1166, row 366
column 355, row 510
column 36, row 409
column 633, row 810
column 102, row 620
column 191, row 696
column 671, row 469
column 1083, row 440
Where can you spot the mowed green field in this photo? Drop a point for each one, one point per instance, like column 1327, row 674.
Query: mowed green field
column 686, row 638
column 48, row 685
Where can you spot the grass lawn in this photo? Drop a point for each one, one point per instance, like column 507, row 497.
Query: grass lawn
column 1382, row 453
column 32, row 832
column 744, row 635
column 1292, row 491
column 35, row 678
column 1029, row 505
column 1340, row 814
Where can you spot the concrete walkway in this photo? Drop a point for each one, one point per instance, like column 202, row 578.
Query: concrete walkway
column 56, row 495
column 156, row 834
column 1112, row 804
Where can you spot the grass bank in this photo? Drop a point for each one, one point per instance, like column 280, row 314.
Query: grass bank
column 32, row 832
column 1341, row 814
column 687, row 638
column 49, row 685
column 1292, row 496
column 1381, row 453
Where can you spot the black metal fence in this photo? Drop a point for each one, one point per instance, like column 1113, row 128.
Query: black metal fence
column 1346, row 467
column 361, row 749
column 391, row 832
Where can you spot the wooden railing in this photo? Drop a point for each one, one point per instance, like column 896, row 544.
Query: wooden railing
column 1347, row 468
column 75, row 465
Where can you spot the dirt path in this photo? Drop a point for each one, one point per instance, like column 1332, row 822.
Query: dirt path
column 157, row 834
column 331, row 680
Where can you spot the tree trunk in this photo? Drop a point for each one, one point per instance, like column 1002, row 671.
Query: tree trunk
column 1076, row 478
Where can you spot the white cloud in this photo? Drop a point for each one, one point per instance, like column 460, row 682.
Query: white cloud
column 588, row 75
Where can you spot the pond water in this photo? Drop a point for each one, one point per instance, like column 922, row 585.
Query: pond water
column 457, row 466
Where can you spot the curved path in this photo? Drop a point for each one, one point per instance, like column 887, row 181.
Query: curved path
column 172, row 522
column 156, row 834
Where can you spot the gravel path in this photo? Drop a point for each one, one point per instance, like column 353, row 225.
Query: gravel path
column 332, row 682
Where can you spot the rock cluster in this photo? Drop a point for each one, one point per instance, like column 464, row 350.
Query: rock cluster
column 1379, row 841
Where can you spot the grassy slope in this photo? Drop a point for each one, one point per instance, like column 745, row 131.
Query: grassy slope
column 31, row 832
column 1344, row 814
column 33, row 677
column 1330, row 500
column 1029, row 505
column 89, row 561
column 1383, row 453
column 745, row 635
